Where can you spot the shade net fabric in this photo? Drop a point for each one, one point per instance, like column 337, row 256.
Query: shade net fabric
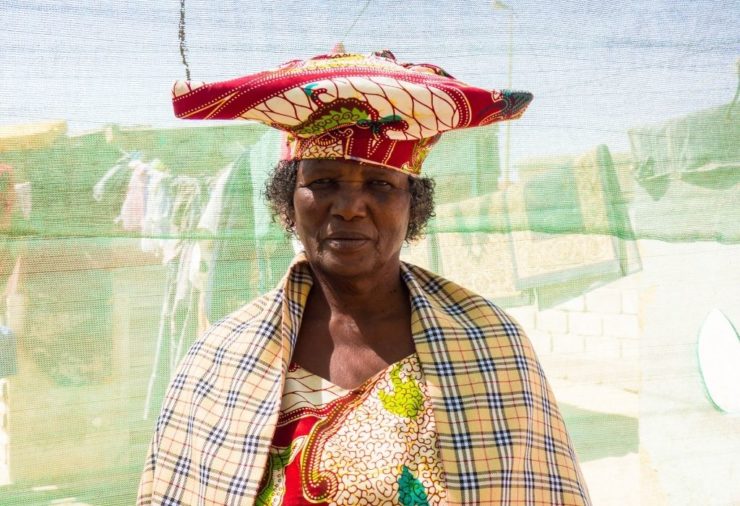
column 606, row 220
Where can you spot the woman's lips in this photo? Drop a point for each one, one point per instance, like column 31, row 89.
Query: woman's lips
column 346, row 242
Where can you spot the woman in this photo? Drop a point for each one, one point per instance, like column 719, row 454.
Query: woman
column 360, row 379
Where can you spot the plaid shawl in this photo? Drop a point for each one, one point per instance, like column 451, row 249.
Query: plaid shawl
column 502, row 439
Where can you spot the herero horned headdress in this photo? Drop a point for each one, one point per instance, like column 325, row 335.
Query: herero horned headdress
column 367, row 108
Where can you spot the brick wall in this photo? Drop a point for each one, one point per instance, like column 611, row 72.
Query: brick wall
column 594, row 337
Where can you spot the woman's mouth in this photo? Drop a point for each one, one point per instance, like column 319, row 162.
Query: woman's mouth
column 346, row 242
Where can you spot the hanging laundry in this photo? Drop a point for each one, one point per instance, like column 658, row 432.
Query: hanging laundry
column 211, row 218
column 133, row 208
column 115, row 179
column 688, row 174
column 699, row 142
column 155, row 223
column 184, row 213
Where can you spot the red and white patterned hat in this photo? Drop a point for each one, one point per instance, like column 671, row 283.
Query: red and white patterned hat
column 367, row 108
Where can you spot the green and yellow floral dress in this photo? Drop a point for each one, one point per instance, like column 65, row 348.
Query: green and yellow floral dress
column 375, row 444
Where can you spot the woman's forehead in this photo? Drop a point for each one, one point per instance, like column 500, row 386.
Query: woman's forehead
column 312, row 167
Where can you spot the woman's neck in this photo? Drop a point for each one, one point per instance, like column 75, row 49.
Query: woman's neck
column 380, row 296
column 351, row 329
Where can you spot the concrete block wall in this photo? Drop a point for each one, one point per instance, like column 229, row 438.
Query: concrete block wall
column 594, row 337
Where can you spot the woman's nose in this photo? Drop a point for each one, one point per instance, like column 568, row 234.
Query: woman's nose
column 350, row 201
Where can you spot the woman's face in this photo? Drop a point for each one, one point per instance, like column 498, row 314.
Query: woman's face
column 351, row 218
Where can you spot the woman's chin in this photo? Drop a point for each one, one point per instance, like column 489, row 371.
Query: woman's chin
column 351, row 263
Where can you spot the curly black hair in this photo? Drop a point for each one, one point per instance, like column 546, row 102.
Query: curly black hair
column 281, row 184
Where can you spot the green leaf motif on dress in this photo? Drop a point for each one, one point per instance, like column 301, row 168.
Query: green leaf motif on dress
column 410, row 490
column 406, row 399
column 277, row 460
column 333, row 119
column 390, row 118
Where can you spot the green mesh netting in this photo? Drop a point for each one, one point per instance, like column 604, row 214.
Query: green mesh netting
column 606, row 220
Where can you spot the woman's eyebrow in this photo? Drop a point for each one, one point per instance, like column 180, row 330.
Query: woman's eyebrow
column 307, row 176
column 312, row 171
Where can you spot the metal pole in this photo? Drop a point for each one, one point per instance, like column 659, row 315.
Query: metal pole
column 507, row 174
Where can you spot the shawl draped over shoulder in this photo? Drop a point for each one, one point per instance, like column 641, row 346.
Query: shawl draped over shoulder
column 501, row 436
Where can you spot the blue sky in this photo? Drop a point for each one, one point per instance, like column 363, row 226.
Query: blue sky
column 596, row 68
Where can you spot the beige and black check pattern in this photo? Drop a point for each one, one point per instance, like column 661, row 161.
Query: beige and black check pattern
column 502, row 439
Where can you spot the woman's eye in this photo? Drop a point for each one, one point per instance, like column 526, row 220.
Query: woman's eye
column 381, row 185
column 320, row 183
